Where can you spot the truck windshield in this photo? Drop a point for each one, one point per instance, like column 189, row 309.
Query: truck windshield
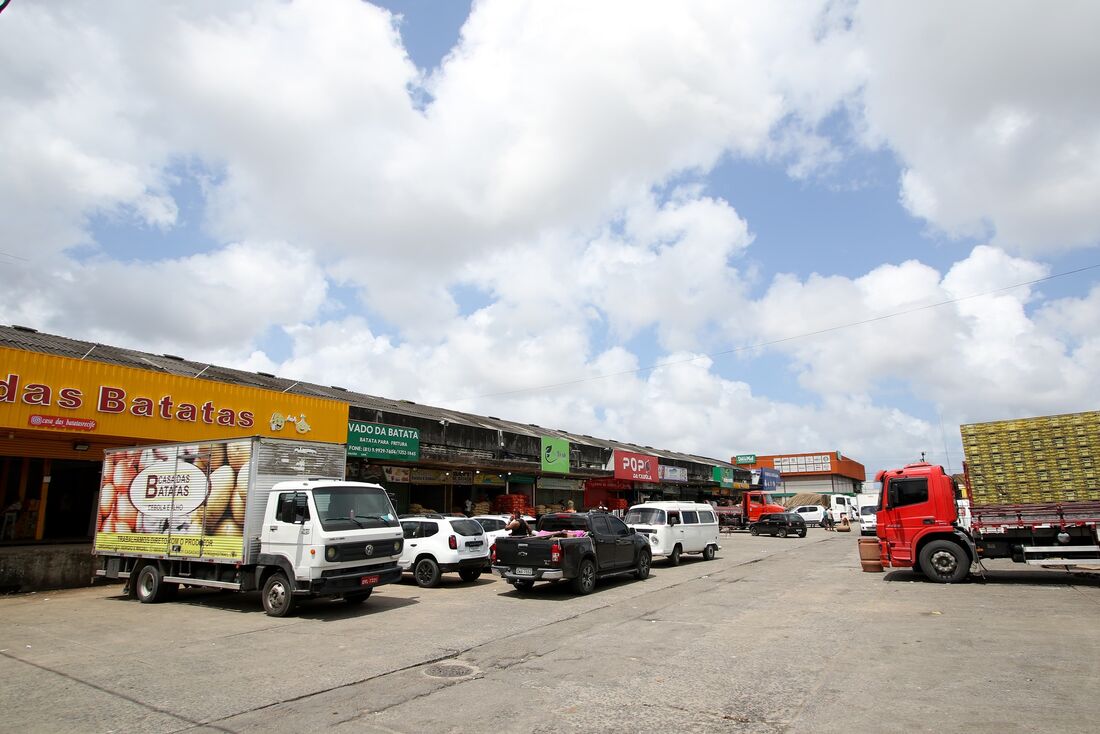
column 645, row 516
column 346, row 508
column 769, row 500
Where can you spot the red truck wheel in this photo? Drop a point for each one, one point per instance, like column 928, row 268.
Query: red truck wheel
column 944, row 561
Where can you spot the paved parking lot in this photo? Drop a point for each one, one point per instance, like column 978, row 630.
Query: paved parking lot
column 774, row 635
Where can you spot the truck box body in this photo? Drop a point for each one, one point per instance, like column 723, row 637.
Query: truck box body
column 200, row 501
column 1037, row 460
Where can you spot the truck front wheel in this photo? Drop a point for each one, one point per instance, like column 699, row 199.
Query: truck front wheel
column 278, row 596
column 586, row 577
column 944, row 561
column 149, row 587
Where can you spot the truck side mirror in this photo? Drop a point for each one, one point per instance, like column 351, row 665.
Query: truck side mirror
column 288, row 511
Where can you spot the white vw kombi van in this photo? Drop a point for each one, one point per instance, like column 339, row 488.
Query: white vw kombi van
column 675, row 528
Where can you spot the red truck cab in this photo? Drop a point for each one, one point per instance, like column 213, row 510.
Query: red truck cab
column 917, row 523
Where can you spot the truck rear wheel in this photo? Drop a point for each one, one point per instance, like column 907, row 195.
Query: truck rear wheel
column 149, row 587
column 944, row 561
column 277, row 596
column 586, row 577
column 523, row 585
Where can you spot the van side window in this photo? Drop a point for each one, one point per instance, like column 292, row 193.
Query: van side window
column 673, row 515
column 706, row 517
column 691, row 517
column 909, row 491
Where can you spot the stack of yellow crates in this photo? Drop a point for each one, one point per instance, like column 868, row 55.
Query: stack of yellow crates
column 1053, row 458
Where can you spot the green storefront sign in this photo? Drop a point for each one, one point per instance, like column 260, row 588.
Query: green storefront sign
column 745, row 459
column 382, row 441
column 555, row 455
column 724, row 477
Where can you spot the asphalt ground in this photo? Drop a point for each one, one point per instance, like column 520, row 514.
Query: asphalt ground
column 775, row 635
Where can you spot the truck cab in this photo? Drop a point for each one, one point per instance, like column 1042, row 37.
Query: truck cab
column 916, row 524
column 757, row 503
column 326, row 537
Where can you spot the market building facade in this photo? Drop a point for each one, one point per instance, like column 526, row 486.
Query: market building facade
column 808, row 473
column 63, row 401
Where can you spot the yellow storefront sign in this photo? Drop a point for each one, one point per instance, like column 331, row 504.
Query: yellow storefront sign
column 50, row 393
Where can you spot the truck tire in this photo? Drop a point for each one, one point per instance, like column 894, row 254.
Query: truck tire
column 149, row 586
column 426, row 572
column 708, row 553
column 278, row 595
column 641, row 570
column 523, row 585
column 944, row 561
column 674, row 556
column 469, row 574
column 354, row 598
column 585, row 581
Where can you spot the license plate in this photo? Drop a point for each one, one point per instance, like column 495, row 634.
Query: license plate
column 525, row 572
column 474, row 544
column 368, row 580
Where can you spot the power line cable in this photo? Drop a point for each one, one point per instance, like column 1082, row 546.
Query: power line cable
column 782, row 340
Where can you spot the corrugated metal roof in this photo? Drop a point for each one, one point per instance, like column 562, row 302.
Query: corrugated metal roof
column 19, row 337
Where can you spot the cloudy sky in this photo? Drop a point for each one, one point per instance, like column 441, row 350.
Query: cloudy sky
column 713, row 227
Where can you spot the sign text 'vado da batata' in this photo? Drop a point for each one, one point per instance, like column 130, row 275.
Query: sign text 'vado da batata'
column 383, row 441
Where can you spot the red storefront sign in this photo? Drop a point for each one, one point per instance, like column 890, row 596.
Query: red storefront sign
column 636, row 467
column 608, row 485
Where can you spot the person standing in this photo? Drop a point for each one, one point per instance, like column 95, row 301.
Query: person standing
column 517, row 527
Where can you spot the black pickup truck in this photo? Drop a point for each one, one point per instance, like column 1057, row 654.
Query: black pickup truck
column 608, row 548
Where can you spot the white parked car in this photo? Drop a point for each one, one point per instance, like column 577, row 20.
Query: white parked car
column 435, row 545
column 675, row 528
column 868, row 520
column 812, row 514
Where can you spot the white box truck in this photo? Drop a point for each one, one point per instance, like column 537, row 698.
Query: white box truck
column 248, row 514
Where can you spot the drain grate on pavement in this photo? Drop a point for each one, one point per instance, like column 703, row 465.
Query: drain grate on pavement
column 450, row 670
